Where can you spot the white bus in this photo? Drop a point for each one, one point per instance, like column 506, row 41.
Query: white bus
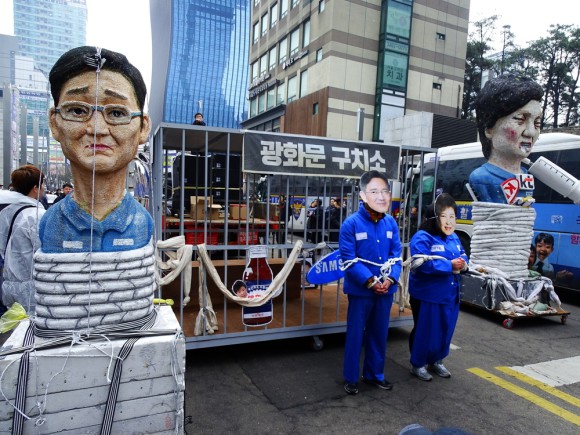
column 449, row 170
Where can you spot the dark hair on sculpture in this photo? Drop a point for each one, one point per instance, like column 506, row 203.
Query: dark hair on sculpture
column 25, row 178
column 431, row 222
column 500, row 97
column 368, row 176
column 81, row 59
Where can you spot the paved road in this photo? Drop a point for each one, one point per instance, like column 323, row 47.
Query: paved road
column 283, row 387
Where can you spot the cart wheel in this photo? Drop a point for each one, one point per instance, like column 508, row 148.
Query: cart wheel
column 563, row 319
column 317, row 343
column 508, row 323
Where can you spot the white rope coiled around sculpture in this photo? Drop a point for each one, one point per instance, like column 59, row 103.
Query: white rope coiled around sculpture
column 502, row 234
column 117, row 287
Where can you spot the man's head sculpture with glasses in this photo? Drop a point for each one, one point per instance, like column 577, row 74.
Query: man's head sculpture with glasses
column 99, row 121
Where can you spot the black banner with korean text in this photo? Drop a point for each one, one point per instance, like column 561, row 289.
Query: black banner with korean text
column 274, row 153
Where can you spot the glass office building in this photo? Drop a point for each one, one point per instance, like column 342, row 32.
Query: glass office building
column 47, row 28
column 203, row 63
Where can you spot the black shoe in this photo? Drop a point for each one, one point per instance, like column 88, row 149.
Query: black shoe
column 383, row 385
column 351, row 389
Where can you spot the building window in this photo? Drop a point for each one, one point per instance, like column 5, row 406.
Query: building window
column 283, row 8
column 306, row 33
column 283, row 50
column 261, row 102
column 441, row 36
column 263, row 64
column 437, row 86
column 295, row 3
column 315, row 109
column 253, row 107
column 273, row 58
column 271, row 98
column 256, row 33
column 303, row 83
column 274, row 15
column 280, row 91
column 291, row 89
column 294, row 41
column 264, row 24
column 256, row 2
column 321, row 6
column 255, row 70
column 319, row 55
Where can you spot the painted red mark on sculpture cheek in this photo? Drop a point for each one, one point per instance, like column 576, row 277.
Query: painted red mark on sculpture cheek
column 511, row 134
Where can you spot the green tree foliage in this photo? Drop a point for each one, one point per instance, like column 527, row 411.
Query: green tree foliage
column 553, row 61
column 478, row 46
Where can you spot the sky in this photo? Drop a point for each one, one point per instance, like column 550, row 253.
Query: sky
column 529, row 19
column 124, row 25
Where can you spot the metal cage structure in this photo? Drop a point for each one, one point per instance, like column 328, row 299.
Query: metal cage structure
column 231, row 189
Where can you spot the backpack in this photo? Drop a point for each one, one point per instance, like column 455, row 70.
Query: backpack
column 8, row 239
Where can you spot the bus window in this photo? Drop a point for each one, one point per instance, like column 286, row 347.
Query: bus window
column 569, row 160
column 453, row 175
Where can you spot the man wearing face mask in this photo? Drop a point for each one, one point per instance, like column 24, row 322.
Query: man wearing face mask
column 368, row 240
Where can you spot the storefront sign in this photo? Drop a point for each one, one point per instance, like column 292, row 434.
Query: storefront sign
column 270, row 153
column 259, row 81
column 293, row 59
column 262, row 88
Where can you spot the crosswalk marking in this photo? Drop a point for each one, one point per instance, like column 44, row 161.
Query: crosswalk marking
column 555, row 373
column 535, row 399
column 548, row 389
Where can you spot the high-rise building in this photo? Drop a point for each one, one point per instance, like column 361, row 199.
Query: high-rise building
column 43, row 31
column 200, row 61
column 342, row 68
column 47, row 28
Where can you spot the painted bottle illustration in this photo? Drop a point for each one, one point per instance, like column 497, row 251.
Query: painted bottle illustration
column 258, row 277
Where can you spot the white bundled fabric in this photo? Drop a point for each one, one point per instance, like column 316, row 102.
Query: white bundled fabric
column 80, row 290
column 522, row 291
column 502, row 235
column 178, row 261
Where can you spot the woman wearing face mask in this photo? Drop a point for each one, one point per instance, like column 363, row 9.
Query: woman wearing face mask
column 434, row 285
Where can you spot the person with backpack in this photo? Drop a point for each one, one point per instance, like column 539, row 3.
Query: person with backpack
column 19, row 238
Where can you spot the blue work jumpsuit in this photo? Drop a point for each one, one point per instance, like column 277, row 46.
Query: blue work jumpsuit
column 368, row 313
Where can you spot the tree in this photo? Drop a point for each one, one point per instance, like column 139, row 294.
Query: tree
column 476, row 62
column 556, row 62
column 553, row 61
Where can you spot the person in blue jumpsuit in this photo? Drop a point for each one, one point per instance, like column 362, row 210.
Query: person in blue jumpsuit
column 369, row 239
column 434, row 288
column 509, row 117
